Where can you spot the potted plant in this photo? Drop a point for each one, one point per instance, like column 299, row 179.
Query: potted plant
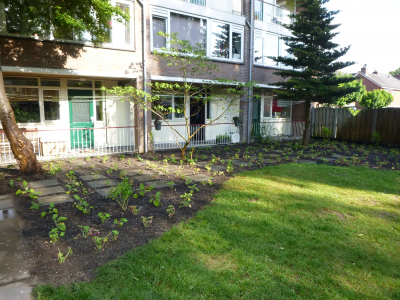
column 157, row 123
column 237, row 121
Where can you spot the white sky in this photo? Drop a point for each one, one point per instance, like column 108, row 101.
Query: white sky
column 372, row 28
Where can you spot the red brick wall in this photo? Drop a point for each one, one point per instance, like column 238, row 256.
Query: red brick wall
column 369, row 85
column 299, row 112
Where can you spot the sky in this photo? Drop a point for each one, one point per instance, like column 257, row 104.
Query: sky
column 372, row 28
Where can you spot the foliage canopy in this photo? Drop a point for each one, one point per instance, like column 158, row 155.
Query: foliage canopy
column 376, row 99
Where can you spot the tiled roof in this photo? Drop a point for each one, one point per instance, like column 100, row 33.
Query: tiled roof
column 384, row 80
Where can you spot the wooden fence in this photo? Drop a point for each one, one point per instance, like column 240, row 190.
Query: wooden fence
column 356, row 123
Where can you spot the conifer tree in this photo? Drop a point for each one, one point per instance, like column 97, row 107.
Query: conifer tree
column 313, row 59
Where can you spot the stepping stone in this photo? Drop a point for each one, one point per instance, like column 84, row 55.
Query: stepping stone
column 273, row 155
column 218, row 168
column 202, row 164
column 187, row 172
column 56, row 199
column 144, row 178
column 307, row 162
column 199, row 177
column 101, row 183
column 104, row 192
column 159, row 184
column 6, row 202
column 50, row 190
column 134, row 173
column 16, row 291
column 13, row 264
column 241, row 162
column 270, row 161
column 93, row 177
column 324, row 158
column 43, row 183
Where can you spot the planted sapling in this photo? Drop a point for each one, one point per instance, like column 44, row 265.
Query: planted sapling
column 134, row 210
column 120, row 222
column 147, row 221
column 121, row 193
column 156, row 199
column 104, row 217
column 100, row 242
column 170, row 210
column 114, row 234
column 62, row 257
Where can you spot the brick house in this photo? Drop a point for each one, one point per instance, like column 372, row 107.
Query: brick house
column 378, row 81
column 53, row 82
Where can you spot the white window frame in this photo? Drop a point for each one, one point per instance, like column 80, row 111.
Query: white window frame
column 173, row 107
column 166, row 14
column 131, row 3
column 270, row 118
column 41, row 103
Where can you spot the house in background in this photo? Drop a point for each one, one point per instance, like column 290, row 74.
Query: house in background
column 379, row 81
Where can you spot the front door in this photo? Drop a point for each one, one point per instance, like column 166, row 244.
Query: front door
column 81, row 118
column 197, row 119
column 256, row 117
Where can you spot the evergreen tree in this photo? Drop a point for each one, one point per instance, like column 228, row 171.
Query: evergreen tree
column 313, row 58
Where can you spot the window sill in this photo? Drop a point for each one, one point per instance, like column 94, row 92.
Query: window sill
column 271, row 67
column 229, row 61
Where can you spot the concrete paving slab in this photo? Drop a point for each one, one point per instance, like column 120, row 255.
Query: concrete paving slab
column 133, row 173
column 218, row 168
column 202, row 164
column 16, row 291
column 101, row 183
column 6, row 196
column 270, row 161
column 104, row 192
column 50, row 190
column 93, row 177
column 13, row 264
column 241, row 162
column 144, row 178
column 199, row 177
column 56, row 199
column 272, row 155
column 6, row 214
column 159, row 184
column 43, row 183
column 6, row 203
column 325, row 158
column 187, row 172
column 307, row 162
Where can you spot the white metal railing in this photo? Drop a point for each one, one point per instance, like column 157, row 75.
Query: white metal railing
column 278, row 129
column 58, row 143
column 221, row 133
column 271, row 13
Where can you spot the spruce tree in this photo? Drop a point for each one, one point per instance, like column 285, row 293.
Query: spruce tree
column 313, row 59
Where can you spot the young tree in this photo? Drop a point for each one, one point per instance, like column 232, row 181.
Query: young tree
column 192, row 62
column 313, row 58
column 395, row 72
column 40, row 18
column 354, row 96
column 376, row 99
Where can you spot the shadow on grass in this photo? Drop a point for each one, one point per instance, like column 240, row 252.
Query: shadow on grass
column 271, row 240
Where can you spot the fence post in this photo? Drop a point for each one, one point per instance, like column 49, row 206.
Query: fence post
column 374, row 125
column 312, row 121
column 335, row 123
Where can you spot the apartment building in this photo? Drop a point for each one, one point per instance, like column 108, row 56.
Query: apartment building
column 53, row 82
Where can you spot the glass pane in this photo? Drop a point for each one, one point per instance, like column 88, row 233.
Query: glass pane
column 81, row 112
column 159, row 24
column 258, row 10
column 284, row 51
column 199, row 2
column 50, row 82
column 21, row 81
column 78, row 83
column 62, row 33
column 190, row 29
column 258, row 53
column 121, row 32
column 269, row 7
column 271, row 48
column 220, row 40
column 98, row 84
column 99, row 105
column 51, row 105
column 209, row 115
column 236, row 45
column 267, row 108
column 179, row 103
column 25, row 103
column 166, row 102
column 281, row 109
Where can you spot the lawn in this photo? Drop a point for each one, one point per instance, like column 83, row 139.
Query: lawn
column 292, row 231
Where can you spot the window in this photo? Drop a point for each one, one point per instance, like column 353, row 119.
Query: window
column 171, row 102
column 51, row 99
column 49, row 82
column 99, row 105
column 80, row 83
column 220, row 40
column 274, row 108
column 179, row 103
column 25, row 103
column 266, row 44
column 122, row 33
column 267, row 108
column 276, row 11
column 209, row 111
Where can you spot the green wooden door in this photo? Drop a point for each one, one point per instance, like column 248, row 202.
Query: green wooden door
column 256, row 118
column 81, row 118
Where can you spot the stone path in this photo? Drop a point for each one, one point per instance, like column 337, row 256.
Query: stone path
column 14, row 267
column 199, row 177
column 51, row 191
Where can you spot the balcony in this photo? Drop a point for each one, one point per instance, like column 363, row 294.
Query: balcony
column 279, row 13
column 230, row 6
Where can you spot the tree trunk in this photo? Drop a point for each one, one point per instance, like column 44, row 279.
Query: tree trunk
column 21, row 147
column 183, row 150
column 307, row 130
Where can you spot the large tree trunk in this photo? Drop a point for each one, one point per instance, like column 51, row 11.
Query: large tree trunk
column 307, row 130
column 21, row 147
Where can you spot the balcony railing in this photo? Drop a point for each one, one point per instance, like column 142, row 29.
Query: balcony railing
column 231, row 6
column 271, row 13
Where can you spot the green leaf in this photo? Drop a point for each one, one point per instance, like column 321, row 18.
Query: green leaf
column 62, row 227
column 60, row 219
column 43, row 214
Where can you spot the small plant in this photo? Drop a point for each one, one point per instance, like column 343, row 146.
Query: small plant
column 82, row 205
column 10, row 166
column 71, row 188
column 122, row 157
column 145, row 189
column 35, row 205
column 11, row 183
column 104, row 217
column 62, row 257
column 19, row 179
column 326, row 132
column 139, row 158
column 134, row 210
column 105, row 158
column 129, row 162
column 59, row 230
column 121, row 193
column 156, row 199
column 2, row 176
column 188, row 181
column 170, row 211
column 123, row 174
column 186, row 200
column 120, row 222
column 208, row 168
column 32, row 193
column 100, row 242
column 114, row 234
column 87, row 158
column 85, row 231
column 171, row 184
column 147, row 221
column 71, row 175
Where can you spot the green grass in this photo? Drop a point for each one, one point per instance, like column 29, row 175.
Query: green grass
column 286, row 232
